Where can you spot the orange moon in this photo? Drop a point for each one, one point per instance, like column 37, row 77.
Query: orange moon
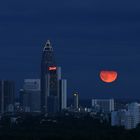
column 108, row 76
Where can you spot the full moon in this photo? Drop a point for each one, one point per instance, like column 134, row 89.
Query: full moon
column 108, row 76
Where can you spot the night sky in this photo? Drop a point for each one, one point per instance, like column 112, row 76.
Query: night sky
column 87, row 36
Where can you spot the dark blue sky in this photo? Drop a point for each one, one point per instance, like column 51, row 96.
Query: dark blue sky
column 87, row 36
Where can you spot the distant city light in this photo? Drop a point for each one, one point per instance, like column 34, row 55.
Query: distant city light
column 75, row 94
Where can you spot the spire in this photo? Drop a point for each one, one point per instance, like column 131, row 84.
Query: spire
column 48, row 46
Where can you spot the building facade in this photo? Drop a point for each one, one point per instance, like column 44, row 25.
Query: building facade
column 49, row 81
column 103, row 105
column 30, row 95
column 133, row 115
column 75, row 100
column 118, row 118
column 7, row 94
column 129, row 118
column 63, row 94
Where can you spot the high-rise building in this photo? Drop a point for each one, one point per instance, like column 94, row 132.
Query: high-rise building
column 133, row 115
column 103, row 105
column 118, row 118
column 75, row 100
column 7, row 93
column 129, row 119
column 30, row 95
column 49, row 81
column 63, row 94
column 24, row 100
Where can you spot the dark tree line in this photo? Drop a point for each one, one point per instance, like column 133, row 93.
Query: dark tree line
column 63, row 128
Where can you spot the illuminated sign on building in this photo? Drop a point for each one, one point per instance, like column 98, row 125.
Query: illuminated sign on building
column 52, row 68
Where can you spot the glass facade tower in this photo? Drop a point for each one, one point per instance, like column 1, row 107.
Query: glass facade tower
column 49, row 81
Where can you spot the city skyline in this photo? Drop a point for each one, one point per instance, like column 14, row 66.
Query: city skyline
column 86, row 40
column 69, row 69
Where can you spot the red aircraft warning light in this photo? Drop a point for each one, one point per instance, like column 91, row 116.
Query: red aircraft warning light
column 52, row 68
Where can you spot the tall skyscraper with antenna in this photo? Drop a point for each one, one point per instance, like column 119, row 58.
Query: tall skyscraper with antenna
column 49, row 81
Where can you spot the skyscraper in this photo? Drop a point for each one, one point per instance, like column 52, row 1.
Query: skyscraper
column 75, row 100
column 133, row 115
column 63, row 94
column 129, row 118
column 7, row 91
column 104, row 105
column 31, row 95
column 49, row 81
column 118, row 118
